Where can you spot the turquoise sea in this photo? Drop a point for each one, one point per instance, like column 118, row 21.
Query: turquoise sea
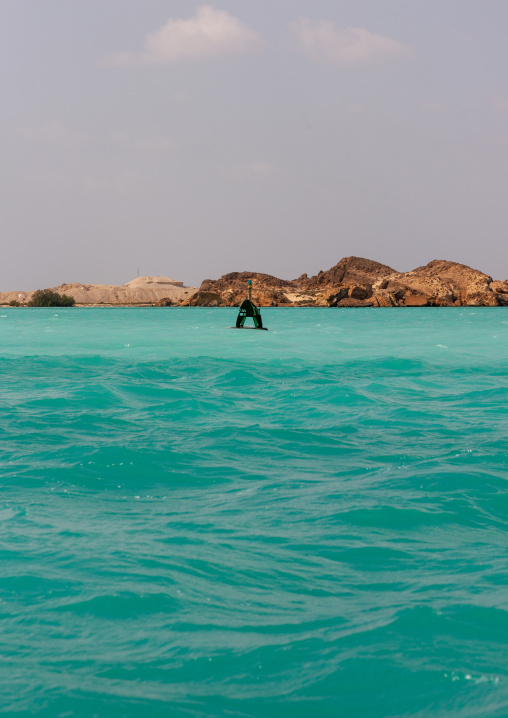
column 202, row 522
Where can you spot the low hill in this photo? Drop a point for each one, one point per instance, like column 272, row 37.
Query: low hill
column 143, row 290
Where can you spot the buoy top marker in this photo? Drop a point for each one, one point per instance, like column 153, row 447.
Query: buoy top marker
column 249, row 309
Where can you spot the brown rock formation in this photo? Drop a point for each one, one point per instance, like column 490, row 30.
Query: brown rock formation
column 499, row 287
column 351, row 302
column 349, row 271
column 230, row 290
column 359, row 282
column 444, row 284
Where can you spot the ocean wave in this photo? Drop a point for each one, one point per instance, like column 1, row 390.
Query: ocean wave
column 210, row 522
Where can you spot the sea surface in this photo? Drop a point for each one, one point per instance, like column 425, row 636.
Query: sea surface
column 197, row 521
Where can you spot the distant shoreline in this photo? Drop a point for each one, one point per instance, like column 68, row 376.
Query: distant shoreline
column 354, row 282
column 280, row 306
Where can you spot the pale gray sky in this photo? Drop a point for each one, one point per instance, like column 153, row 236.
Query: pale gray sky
column 191, row 139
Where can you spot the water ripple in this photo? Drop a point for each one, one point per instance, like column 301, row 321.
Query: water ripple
column 210, row 523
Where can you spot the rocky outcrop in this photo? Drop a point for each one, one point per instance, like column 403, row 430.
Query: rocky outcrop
column 143, row 290
column 441, row 284
column 230, row 290
column 349, row 271
column 499, row 287
column 359, row 282
column 352, row 282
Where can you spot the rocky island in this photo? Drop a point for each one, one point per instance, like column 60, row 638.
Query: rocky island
column 352, row 282
column 358, row 282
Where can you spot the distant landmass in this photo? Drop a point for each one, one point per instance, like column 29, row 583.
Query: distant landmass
column 143, row 290
column 352, row 282
column 358, row 282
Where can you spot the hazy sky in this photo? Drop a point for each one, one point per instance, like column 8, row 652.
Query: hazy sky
column 190, row 140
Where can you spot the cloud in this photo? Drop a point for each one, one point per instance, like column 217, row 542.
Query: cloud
column 122, row 183
column 258, row 170
column 431, row 106
column 261, row 169
column 463, row 35
column 500, row 105
column 155, row 143
column 209, row 33
column 53, row 134
column 355, row 109
column 323, row 42
column 58, row 136
column 180, row 98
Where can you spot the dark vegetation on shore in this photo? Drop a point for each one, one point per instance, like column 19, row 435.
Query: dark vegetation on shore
column 49, row 298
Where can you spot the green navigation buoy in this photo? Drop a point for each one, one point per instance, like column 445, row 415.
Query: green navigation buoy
column 249, row 309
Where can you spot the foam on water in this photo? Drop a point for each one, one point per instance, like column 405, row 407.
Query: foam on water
column 197, row 521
